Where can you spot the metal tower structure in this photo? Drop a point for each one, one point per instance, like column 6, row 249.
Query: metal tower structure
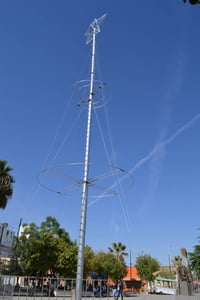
column 91, row 33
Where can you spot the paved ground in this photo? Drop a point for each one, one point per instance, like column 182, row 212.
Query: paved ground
column 140, row 297
column 166, row 297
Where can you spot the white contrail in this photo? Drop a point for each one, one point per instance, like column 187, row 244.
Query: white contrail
column 157, row 148
column 183, row 128
column 160, row 145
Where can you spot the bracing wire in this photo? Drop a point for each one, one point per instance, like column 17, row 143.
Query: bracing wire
column 35, row 189
column 122, row 203
column 67, row 135
column 117, row 181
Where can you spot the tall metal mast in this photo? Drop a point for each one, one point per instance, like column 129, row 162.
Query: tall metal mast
column 91, row 36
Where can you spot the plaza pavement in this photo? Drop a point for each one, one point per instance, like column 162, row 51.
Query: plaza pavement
column 140, row 297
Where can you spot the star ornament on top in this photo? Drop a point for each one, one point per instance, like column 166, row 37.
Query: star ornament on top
column 94, row 28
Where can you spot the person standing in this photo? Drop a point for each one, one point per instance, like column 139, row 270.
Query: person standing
column 115, row 292
column 120, row 289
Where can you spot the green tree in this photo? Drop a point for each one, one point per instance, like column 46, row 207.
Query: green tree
column 46, row 248
column 194, row 258
column 146, row 267
column 88, row 256
column 66, row 259
column 119, row 250
column 195, row 261
column 6, row 181
column 108, row 265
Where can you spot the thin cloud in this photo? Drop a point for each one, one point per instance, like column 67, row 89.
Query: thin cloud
column 159, row 147
column 176, row 71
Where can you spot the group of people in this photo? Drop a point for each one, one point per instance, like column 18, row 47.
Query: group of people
column 118, row 290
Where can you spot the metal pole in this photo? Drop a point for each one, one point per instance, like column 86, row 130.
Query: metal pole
column 80, row 264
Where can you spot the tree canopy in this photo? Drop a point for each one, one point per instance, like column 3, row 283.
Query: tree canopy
column 108, row 265
column 46, row 248
column 88, row 257
column 194, row 259
column 6, row 181
column 146, row 267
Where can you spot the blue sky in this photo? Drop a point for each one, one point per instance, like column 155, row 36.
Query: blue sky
column 147, row 53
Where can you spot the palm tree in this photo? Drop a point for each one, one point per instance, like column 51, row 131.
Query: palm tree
column 118, row 249
column 178, row 262
column 180, row 267
column 6, row 181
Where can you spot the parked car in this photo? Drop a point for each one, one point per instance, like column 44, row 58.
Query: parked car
column 130, row 294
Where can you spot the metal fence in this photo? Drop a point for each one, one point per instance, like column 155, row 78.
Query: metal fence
column 20, row 287
column 32, row 288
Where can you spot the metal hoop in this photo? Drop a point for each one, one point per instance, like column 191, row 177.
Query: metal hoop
column 107, row 178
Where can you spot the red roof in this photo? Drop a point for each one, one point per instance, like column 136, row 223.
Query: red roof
column 131, row 274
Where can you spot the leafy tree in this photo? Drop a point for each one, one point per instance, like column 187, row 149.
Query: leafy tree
column 146, row 267
column 66, row 259
column 46, row 248
column 195, row 261
column 88, row 256
column 194, row 258
column 108, row 265
column 6, row 181
column 119, row 250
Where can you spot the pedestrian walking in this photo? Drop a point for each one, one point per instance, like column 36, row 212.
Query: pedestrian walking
column 118, row 291
column 120, row 288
